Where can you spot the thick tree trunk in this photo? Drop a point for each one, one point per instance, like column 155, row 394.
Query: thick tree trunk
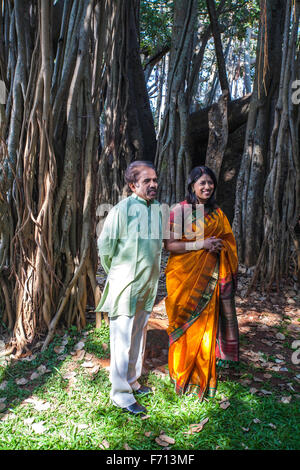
column 48, row 185
column 218, row 134
column 282, row 188
column 248, row 221
column 172, row 157
column 130, row 132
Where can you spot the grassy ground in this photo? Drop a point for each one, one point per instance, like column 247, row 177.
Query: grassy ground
column 65, row 405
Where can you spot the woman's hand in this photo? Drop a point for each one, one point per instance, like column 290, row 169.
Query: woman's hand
column 213, row 244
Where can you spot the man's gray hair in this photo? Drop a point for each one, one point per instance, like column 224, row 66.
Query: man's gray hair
column 133, row 170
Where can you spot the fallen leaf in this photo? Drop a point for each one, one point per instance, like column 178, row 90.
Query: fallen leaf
column 245, row 429
column 82, row 426
column 3, row 385
column 268, row 376
column 272, row 425
column 160, row 442
column 145, row 417
column 148, row 433
column 104, row 444
column 265, row 392
column 79, row 345
column 88, row 364
column 167, row 439
column 22, row 381
column 58, row 349
column 69, row 375
column 34, row 376
column 280, row 336
column 224, row 405
column 2, row 406
column 286, row 399
column 256, row 420
column 126, row 447
column 253, row 390
column 95, row 369
column 42, row 369
column 79, row 355
column 104, row 346
column 197, row 427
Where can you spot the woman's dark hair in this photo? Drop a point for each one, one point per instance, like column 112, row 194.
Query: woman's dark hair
column 195, row 174
column 133, row 170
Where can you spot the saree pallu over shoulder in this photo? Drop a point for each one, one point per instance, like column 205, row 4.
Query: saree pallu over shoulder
column 200, row 308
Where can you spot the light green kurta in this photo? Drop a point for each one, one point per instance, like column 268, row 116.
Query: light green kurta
column 130, row 246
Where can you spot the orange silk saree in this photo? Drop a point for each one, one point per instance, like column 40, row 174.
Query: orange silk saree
column 201, row 308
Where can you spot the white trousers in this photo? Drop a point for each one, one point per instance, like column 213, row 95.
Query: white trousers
column 127, row 350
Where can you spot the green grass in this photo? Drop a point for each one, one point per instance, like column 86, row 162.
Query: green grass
column 78, row 414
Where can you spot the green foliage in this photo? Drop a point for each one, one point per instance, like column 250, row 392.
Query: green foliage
column 155, row 25
column 238, row 16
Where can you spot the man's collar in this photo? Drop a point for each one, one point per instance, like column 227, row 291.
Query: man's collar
column 147, row 203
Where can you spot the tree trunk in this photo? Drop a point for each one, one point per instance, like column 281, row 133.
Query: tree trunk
column 282, row 187
column 218, row 134
column 218, row 46
column 248, row 224
column 47, row 182
column 130, row 132
column 172, row 158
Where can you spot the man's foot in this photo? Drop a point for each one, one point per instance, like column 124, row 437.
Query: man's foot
column 135, row 409
column 143, row 390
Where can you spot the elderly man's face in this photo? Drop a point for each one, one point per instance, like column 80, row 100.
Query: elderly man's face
column 146, row 184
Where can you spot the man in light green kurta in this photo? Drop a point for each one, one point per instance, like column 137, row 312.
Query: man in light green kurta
column 130, row 251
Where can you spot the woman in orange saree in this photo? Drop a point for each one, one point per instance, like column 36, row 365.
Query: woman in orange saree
column 201, row 281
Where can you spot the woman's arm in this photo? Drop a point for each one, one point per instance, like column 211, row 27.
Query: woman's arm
column 212, row 244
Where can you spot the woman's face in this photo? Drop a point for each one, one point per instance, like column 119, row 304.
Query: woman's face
column 204, row 188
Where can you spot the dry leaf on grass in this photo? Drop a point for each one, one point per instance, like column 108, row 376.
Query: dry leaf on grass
column 197, row 427
column 104, row 444
column 164, row 440
column 256, row 420
column 95, row 369
column 3, row 384
column 286, row 399
column 22, row 381
column 224, row 405
column 160, row 442
column 88, row 364
column 78, row 346
column 145, row 417
column 126, row 446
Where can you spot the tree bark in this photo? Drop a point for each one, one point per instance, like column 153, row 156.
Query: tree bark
column 281, row 193
column 248, row 220
column 130, row 133
column 172, row 158
column 218, row 46
column 47, row 182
